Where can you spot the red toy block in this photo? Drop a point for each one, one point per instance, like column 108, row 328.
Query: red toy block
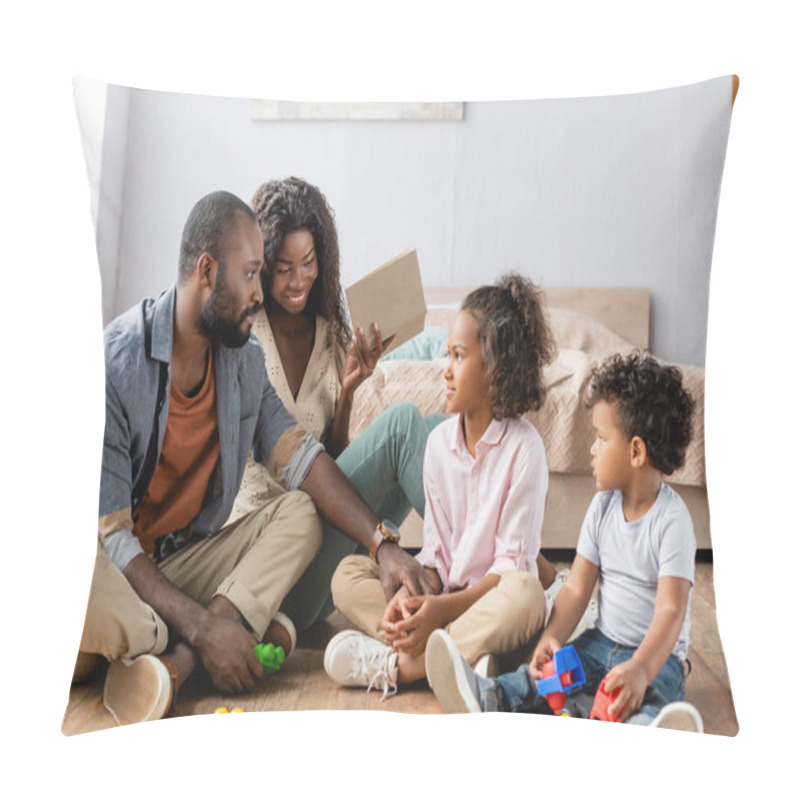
column 602, row 701
column 555, row 699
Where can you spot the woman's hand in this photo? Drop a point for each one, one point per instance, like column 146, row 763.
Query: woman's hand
column 630, row 678
column 361, row 361
column 421, row 616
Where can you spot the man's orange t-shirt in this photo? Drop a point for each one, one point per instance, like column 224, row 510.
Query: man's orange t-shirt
column 188, row 457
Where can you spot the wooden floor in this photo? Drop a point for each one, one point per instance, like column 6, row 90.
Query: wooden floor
column 303, row 685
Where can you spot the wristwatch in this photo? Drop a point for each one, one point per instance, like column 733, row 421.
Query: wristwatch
column 385, row 532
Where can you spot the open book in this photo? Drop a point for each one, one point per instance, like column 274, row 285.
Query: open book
column 392, row 297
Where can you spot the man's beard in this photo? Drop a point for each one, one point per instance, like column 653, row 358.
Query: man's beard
column 215, row 319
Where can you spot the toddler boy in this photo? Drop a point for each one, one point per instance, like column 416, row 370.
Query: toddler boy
column 637, row 539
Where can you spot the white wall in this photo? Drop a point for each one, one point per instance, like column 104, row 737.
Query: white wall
column 618, row 191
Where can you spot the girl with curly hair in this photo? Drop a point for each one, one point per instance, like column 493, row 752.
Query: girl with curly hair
column 485, row 484
column 315, row 366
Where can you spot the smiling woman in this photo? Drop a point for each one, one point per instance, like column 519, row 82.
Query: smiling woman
column 294, row 273
column 316, row 366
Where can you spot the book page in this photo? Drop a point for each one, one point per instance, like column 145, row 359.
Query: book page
column 392, row 297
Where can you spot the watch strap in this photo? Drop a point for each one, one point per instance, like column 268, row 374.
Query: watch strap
column 380, row 535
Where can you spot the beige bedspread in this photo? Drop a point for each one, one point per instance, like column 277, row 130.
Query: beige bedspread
column 564, row 421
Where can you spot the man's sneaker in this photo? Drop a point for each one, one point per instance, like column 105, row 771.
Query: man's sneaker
column 139, row 690
column 454, row 683
column 355, row 659
column 679, row 717
column 282, row 633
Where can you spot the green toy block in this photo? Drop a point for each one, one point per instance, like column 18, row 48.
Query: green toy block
column 271, row 657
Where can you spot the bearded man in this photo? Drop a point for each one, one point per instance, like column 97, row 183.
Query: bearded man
column 174, row 589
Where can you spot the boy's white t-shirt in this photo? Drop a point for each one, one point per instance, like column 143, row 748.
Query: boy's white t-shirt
column 632, row 556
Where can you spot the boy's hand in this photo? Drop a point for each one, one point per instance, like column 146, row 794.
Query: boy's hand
column 630, row 678
column 544, row 652
column 421, row 617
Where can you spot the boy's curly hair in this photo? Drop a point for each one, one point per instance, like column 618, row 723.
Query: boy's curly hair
column 650, row 402
column 285, row 206
column 516, row 343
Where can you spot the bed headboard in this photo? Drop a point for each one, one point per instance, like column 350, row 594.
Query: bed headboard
column 626, row 310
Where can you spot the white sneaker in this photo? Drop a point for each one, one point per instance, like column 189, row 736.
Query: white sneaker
column 487, row 666
column 453, row 682
column 679, row 716
column 138, row 690
column 355, row 659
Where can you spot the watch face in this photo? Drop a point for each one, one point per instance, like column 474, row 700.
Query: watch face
column 391, row 527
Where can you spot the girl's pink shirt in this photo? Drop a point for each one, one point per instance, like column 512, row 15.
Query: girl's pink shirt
column 484, row 514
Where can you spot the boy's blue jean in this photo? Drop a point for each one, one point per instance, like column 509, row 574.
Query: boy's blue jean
column 384, row 464
column 516, row 691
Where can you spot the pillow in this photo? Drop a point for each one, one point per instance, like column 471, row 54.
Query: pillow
column 425, row 346
column 442, row 315
column 583, row 192
column 575, row 331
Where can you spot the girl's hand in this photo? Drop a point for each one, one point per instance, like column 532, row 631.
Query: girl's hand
column 394, row 613
column 422, row 616
column 361, row 361
column 544, row 652
column 631, row 679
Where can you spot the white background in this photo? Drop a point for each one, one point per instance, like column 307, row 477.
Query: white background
column 53, row 391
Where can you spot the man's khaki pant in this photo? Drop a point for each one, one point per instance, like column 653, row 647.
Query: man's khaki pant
column 253, row 562
column 504, row 619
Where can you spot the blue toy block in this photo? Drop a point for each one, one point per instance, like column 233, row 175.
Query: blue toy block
column 565, row 660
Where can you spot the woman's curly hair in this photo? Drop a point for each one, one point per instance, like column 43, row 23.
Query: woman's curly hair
column 516, row 343
column 285, row 206
column 650, row 402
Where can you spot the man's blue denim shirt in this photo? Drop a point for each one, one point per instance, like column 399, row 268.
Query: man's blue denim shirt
column 138, row 350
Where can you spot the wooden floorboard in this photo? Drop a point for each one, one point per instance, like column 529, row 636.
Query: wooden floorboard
column 85, row 711
column 712, row 697
column 303, row 685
